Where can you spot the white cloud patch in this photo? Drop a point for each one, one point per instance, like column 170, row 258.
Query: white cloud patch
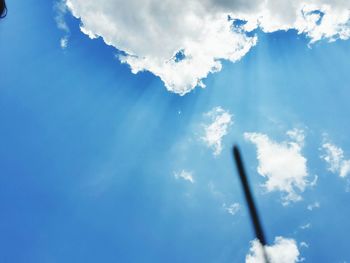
column 334, row 157
column 61, row 10
column 183, row 41
column 282, row 164
column 184, row 175
column 219, row 123
column 232, row 208
column 284, row 250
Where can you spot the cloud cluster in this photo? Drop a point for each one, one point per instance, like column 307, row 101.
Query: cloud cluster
column 184, row 175
column 219, row 123
column 282, row 164
column 284, row 250
column 183, row 41
column 334, row 157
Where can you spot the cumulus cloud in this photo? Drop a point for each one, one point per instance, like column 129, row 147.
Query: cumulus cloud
column 232, row 208
column 184, row 175
column 282, row 164
column 61, row 10
column 183, row 41
column 334, row 157
column 219, row 123
column 284, row 250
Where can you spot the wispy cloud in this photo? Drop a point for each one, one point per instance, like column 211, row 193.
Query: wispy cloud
column 232, row 208
column 313, row 206
column 304, row 244
column 184, row 175
column 306, row 226
column 61, row 10
column 334, row 157
column 216, row 128
column 282, row 164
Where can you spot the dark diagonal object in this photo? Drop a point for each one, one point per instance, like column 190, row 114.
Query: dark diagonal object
column 250, row 201
column 3, row 9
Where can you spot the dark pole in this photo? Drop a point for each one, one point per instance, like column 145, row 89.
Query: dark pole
column 3, row 9
column 250, row 201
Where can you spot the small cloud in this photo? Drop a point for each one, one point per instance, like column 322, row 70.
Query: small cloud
column 284, row 250
column 334, row 157
column 185, row 175
column 232, row 208
column 219, row 123
column 282, row 164
column 304, row 244
column 61, row 10
column 64, row 42
column 306, row 226
column 313, row 206
column 314, row 181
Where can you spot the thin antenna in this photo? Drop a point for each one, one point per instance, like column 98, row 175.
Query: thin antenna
column 259, row 233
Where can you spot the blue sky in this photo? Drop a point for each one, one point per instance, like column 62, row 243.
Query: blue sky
column 89, row 150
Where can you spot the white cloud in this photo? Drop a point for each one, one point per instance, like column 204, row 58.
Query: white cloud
column 61, row 10
column 282, row 164
column 232, row 208
column 334, row 157
column 64, row 42
column 185, row 175
column 284, row 250
column 152, row 32
column 313, row 206
column 219, row 123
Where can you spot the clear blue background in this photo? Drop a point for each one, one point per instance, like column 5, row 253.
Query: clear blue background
column 88, row 150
